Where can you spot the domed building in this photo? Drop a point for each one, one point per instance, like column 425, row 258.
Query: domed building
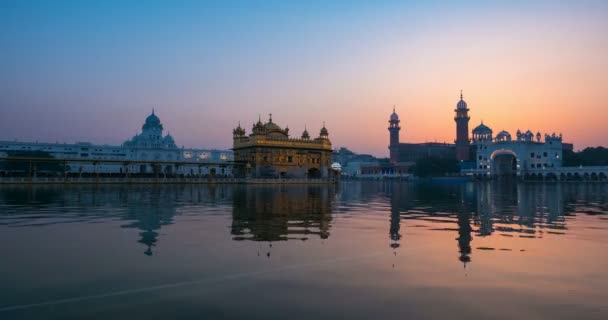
column 503, row 156
column 158, row 153
column 269, row 152
column 150, row 144
column 482, row 132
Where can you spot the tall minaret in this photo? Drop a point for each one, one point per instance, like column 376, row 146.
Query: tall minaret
column 462, row 130
column 393, row 128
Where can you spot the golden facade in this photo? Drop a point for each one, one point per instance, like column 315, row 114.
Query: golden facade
column 269, row 152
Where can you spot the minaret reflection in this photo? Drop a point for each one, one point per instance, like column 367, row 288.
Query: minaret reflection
column 463, row 218
column 395, row 220
column 280, row 213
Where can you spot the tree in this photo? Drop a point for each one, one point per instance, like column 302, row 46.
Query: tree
column 435, row 166
column 588, row 157
column 24, row 165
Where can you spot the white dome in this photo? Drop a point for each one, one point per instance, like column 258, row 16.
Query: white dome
column 503, row 136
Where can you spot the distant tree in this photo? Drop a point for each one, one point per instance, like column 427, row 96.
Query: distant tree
column 22, row 165
column 588, row 157
column 435, row 166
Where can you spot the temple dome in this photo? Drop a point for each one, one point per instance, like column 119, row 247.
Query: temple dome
column 271, row 126
column 152, row 122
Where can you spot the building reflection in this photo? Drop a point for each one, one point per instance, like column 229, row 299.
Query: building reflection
column 145, row 208
column 302, row 212
column 479, row 209
column 278, row 213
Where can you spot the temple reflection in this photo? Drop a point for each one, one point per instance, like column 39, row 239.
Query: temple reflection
column 279, row 213
column 303, row 212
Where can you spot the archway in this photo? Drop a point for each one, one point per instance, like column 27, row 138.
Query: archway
column 504, row 163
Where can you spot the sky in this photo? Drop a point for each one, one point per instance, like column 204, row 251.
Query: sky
column 93, row 70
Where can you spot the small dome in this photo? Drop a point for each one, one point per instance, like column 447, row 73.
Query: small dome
column 394, row 115
column 169, row 139
column 239, row 131
column 482, row 129
column 324, row 132
column 461, row 104
column 305, row 134
column 503, row 136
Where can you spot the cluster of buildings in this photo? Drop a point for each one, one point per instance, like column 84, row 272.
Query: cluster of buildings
column 269, row 151
column 147, row 152
column 479, row 152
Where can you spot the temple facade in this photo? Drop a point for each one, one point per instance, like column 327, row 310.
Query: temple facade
column 269, row 152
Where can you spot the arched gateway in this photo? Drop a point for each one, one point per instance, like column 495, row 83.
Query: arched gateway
column 503, row 163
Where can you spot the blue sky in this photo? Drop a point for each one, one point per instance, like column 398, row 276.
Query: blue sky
column 93, row 70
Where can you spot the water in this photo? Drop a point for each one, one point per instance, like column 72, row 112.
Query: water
column 362, row 250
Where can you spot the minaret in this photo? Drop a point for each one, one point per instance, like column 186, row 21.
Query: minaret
column 462, row 130
column 393, row 128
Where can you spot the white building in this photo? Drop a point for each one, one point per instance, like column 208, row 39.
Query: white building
column 503, row 155
column 150, row 146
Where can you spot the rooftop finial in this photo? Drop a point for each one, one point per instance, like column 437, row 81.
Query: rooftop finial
column 393, row 108
column 152, row 110
column 460, row 94
column 270, row 117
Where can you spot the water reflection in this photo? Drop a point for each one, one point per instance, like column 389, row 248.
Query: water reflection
column 282, row 213
column 478, row 209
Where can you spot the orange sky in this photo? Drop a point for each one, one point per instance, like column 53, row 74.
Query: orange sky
column 92, row 73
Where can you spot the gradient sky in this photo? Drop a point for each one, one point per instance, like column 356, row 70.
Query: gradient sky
column 93, row 70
